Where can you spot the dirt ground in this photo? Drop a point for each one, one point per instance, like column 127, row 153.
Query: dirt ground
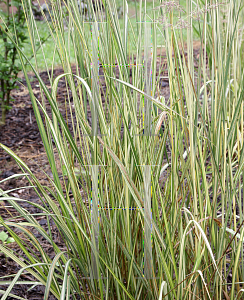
column 22, row 136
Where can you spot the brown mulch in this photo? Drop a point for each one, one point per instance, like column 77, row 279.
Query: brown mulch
column 22, row 136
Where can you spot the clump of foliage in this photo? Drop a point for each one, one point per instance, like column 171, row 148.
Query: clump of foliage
column 11, row 21
column 175, row 197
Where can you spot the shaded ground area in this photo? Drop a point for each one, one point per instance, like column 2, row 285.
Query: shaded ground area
column 21, row 135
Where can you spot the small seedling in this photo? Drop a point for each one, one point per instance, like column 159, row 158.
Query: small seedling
column 5, row 238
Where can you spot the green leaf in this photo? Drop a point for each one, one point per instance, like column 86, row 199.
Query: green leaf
column 3, row 236
column 10, row 240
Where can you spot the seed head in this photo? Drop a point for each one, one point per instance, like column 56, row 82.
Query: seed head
column 170, row 6
column 182, row 24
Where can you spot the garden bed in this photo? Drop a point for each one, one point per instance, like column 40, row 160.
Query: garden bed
column 22, row 136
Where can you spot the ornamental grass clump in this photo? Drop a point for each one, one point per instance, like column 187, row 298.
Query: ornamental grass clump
column 148, row 198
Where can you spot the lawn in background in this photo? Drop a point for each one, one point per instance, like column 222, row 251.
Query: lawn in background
column 133, row 7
